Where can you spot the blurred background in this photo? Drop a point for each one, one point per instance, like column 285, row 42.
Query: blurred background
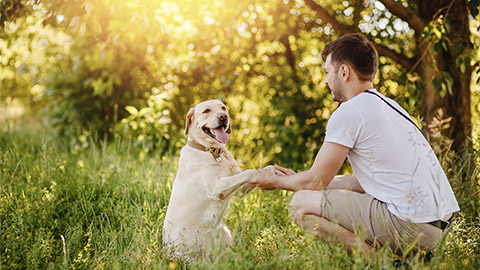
column 97, row 70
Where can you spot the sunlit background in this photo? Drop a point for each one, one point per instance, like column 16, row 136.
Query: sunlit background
column 93, row 98
column 135, row 67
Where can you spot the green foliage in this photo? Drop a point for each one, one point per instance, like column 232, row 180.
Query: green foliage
column 464, row 175
column 105, row 69
column 437, row 36
column 87, row 96
column 87, row 61
column 151, row 127
column 27, row 56
column 135, row 68
column 474, row 7
column 12, row 9
column 78, row 211
column 260, row 58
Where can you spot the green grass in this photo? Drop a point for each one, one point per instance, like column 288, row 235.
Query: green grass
column 73, row 204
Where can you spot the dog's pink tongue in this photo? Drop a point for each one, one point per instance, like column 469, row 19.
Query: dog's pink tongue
column 221, row 135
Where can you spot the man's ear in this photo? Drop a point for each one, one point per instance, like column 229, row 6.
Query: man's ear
column 345, row 71
column 189, row 120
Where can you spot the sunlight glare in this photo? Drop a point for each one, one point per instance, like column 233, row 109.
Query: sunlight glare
column 382, row 23
column 209, row 20
column 379, row 5
column 187, row 25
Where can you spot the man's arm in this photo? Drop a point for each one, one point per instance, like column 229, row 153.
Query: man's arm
column 347, row 181
column 326, row 165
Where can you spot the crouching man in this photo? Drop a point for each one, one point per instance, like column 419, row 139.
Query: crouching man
column 398, row 194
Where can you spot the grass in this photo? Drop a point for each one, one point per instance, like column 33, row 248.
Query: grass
column 74, row 204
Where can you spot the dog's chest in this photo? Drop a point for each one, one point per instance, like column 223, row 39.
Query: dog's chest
column 231, row 163
column 195, row 162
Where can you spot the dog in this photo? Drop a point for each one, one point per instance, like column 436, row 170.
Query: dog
column 207, row 177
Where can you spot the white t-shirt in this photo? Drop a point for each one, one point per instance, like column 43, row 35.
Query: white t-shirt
column 391, row 159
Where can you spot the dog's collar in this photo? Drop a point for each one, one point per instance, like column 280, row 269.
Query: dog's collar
column 214, row 151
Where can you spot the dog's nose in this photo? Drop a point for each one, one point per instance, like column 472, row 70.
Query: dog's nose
column 223, row 117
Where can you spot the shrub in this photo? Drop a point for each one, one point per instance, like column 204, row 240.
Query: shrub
column 150, row 127
column 90, row 90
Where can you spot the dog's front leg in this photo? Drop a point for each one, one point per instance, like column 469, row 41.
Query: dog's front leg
column 245, row 189
column 225, row 186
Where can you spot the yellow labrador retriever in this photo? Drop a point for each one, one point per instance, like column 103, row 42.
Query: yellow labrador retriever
column 207, row 177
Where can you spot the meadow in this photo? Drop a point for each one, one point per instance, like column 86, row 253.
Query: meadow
column 89, row 205
column 75, row 72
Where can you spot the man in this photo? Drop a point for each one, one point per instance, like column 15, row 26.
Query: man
column 398, row 194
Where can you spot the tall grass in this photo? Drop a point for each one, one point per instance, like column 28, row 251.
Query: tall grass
column 82, row 205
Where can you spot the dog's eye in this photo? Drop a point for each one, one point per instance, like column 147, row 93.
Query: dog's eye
column 224, row 108
column 206, row 111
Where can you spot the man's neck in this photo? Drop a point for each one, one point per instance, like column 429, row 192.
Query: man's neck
column 358, row 88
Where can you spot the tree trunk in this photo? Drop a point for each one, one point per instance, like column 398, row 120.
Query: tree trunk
column 457, row 104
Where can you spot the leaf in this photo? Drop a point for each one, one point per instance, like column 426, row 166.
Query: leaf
column 457, row 47
column 132, row 110
column 449, row 82
column 438, row 85
column 463, row 62
column 98, row 87
column 143, row 111
column 447, row 26
column 444, row 45
column 473, row 6
column 463, row 67
column 437, row 48
column 420, row 84
column 459, row 61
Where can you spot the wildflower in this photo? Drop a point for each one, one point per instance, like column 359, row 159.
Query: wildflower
column 172, row 265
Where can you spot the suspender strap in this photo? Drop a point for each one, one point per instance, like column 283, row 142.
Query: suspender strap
column 442, row 225
column 393, row 107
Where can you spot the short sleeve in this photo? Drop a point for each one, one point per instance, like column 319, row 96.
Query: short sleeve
column 344, row 126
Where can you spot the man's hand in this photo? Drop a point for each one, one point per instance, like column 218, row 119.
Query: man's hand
column 269, row 177
column 326, row 165
column 284, row 170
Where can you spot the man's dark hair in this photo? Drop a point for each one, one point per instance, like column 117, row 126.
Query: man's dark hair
column 355, row 50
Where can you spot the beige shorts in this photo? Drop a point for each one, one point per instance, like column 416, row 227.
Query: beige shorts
column 370, row 219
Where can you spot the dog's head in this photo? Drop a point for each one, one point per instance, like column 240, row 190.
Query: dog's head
column 208, row 123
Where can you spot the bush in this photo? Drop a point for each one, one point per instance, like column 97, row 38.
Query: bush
column 151, row 127
column 90, row 90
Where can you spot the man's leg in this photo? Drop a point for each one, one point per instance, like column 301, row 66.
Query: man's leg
column 306, row 210
column 344, row 215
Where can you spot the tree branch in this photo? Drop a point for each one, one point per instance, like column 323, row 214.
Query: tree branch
column 475, row 66
column 327, row 18
column 357, row 13
column 344, row 29
column 407, row 63
column 288, row 52
column 405, row 14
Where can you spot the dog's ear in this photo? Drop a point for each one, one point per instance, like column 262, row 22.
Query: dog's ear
column 188, row 122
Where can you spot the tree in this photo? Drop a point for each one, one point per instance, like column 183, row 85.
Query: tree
column 442, row 55
column 261, row 58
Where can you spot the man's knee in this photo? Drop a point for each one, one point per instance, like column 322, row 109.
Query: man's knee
column 305, row 202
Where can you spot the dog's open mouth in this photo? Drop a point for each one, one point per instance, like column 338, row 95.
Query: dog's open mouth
column 219, row 133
